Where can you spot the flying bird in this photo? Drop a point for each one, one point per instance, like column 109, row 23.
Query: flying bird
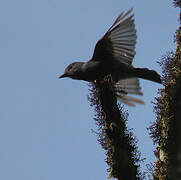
column 113, row 54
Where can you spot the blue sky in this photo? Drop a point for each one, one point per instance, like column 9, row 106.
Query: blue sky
column 45, row 123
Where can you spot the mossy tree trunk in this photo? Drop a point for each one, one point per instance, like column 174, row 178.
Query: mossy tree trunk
column 167, row 129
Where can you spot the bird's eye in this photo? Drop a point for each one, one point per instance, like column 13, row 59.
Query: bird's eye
column 70, row 67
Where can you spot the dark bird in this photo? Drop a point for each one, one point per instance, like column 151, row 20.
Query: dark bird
column 113, row 54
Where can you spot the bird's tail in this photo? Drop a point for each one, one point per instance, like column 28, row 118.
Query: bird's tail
column 128, row 86
column 147, row 74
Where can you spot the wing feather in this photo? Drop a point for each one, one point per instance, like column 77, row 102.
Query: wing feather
column 118, row 44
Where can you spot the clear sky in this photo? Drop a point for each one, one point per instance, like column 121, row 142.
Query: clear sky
column 45, row 123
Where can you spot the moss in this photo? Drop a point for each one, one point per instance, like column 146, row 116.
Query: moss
column 166, row 130
column 122, row 155
column 177, row 3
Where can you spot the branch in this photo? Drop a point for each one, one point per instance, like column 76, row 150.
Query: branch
column 113, row 135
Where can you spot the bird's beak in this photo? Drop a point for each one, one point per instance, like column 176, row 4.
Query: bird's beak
column 62, row 76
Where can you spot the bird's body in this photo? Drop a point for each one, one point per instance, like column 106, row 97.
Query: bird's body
column 113, row 54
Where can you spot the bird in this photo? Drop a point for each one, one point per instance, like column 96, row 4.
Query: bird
column 113, row 55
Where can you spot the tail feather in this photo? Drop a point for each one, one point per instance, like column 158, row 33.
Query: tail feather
column 128, row 86
column 147, row 74
column 130, row 100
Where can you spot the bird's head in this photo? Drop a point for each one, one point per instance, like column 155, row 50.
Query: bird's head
column 73, row 70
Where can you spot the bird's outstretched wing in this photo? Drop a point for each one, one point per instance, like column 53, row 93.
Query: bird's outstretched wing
column 119, row 41
column 128, row 86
